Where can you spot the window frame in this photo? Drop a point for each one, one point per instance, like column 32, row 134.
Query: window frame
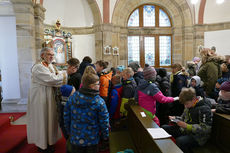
column 155, row 34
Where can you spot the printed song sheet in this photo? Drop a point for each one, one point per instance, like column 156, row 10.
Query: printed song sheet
column 158, row 133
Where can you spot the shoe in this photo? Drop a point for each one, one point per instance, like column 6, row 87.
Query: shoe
column 42, row 150
column 51, row 148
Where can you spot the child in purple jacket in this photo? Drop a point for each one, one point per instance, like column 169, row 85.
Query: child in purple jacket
column 148, row 93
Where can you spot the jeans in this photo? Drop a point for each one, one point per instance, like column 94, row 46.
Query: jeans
column 81, row 149
column 184, row 141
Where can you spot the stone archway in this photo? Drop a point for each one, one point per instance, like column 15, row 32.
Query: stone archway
column 96, row 12
column 181, row 16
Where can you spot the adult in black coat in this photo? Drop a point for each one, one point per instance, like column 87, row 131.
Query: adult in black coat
column 178, row 79
column 138, row 75
column 85, row 62
column 163, row 82
column 74, row 77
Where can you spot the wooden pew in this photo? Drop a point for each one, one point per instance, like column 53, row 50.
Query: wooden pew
column 220, row 136
column 138, row 138
column 142, row 139
column 221, row 131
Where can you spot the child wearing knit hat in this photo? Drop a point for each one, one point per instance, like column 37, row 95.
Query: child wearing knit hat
column 217, row 88
column 148, row 93
column 67, row 90
column 223, row 105
column 119, row 69
column 149, row 74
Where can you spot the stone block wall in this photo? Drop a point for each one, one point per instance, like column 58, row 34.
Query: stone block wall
column 29, row 26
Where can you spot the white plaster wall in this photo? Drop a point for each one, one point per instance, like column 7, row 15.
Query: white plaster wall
column 111, row 8
column 71, row 13
column 215, row 13
column 83, row 45
column 9, row 58
column 100, row 5
column 219, row 39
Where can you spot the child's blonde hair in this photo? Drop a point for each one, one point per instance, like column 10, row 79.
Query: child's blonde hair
column 89, row 69
column 89, row 77
column 187, row 94
column 128, row 71
column 176, row 66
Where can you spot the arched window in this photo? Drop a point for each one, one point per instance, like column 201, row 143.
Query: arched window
column 150, row 36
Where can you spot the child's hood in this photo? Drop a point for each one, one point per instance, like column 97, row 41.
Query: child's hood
column 197, row 78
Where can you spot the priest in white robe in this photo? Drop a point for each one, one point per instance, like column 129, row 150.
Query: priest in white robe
column 42, row 117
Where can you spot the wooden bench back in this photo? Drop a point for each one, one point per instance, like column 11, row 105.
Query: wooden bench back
column 143, row 141
column 221, row 131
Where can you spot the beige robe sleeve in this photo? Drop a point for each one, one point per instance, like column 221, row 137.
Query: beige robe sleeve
column 46, row 76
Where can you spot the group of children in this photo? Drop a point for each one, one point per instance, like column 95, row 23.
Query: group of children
column 103, row 95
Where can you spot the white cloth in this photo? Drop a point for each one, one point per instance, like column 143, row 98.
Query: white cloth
column 42, row 117
column 60, row 58
column 176, row 98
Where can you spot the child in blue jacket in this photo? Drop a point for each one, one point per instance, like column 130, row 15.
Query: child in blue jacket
column 86, row 117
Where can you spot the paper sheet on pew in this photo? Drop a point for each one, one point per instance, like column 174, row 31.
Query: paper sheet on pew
column 158, row 133
column 143, row 114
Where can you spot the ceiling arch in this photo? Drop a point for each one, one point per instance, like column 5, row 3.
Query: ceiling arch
column 96, row 11
column 179, row 11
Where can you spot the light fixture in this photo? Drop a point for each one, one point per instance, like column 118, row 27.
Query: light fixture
column 219, row 1
column 194, row 1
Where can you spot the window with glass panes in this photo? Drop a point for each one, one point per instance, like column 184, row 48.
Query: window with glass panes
column 154, row 49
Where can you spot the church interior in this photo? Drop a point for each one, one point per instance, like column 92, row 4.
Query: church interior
column 157, row 33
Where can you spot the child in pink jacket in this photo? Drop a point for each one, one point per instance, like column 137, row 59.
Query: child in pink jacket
column 148, row 93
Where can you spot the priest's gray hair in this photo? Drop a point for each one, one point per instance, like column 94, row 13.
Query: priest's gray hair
column 45, row 49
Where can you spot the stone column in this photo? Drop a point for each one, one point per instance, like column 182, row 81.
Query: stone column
column 98, row 42
column 198, row 38
column 177, row 47
column 123, row 52
column 24, row 12
column 189, row 52
column 39, row 16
